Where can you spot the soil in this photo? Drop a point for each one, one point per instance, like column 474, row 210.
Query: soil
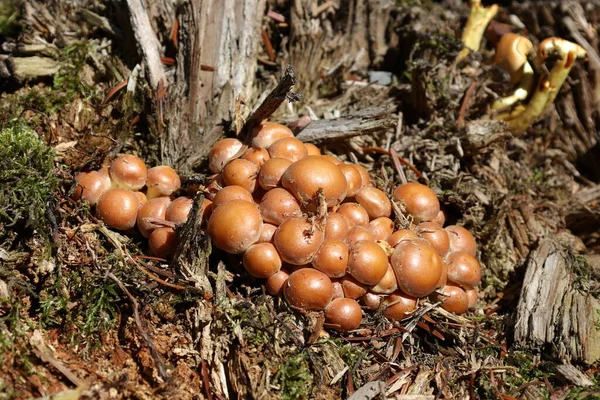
column 85, row 313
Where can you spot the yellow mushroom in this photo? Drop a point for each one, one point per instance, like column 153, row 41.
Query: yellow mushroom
column 478, row 20
column 566, row 53
column 511, row 55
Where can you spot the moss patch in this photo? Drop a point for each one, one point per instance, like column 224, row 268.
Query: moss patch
column 27, row 182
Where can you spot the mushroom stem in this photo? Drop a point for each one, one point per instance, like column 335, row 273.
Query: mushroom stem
column 478, row 20
column 567, row 52
column 521, row 92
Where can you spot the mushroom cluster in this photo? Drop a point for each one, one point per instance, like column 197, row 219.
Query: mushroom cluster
column 127, row 195
column 316, row 229
column 322, row 235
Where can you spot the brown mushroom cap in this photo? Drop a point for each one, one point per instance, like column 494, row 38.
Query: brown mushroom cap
column 128, row 172
column 511, row 54
column 353, row 178
column 418, row 267
column 222, row 152
column 399, row 306
column 297, row 241
column 179, row 209
column 381, row 228
column 388, row 284
column 461, row 240
column 336, row 226
column 464, row 270
column 453, row 299
column 269, row 176
column 118, row 208
column 90, row 186
column 352, row 288
column 332, row 258
column 400, row 235
column 312, row 177
column 371, row 301
column 367, row 262
column 343, row 314
column 289, row 148
column 153, row 208
column 308, row 289
column 419, row 200
column 266, row 233
column 162, row 181
column 312, row 149
column 355, row 214
column 472, row 297
column 162, row 242
column 374, row 201
column 357, row 234
column 235, row 226
column 261, row 260
column 435, row 235
column 278, row 205
column 265, row 134
column 257, row 155
column 232, row 192
column 242, row 173
column 366, row 178
column 276, row 282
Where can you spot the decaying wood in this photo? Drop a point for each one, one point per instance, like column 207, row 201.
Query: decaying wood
column 365, row 122
column 32, row 68
column 553, row 314
column 148, row 42
column 325, row 46
column 220, row 34
column 277, row 96
column 193, row 249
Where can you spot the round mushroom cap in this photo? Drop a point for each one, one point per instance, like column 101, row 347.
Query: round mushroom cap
column 343, row 314
column 162, row 181
column 118, row 208
column 308, row 289
column 128, row 172
column 313, row 178
column 235, row 226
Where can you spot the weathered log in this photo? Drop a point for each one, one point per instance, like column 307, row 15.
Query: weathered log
column 220, row 34
column 32, row 68
column 555, row 314
column 365, row 122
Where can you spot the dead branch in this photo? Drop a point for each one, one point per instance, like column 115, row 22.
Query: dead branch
column 146, row 38
column 369, row 121
column 274, row 100
column 191, row 256
column 160, row 365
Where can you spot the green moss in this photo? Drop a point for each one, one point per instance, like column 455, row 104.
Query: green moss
column 295, row 378
column 27, row 181
column 66, row 86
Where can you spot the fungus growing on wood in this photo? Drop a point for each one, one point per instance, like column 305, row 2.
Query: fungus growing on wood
column 565, row 54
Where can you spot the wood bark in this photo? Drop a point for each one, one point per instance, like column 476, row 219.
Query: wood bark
column 221, row 34
column 554, row 313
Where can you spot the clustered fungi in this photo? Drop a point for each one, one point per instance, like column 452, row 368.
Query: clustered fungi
column 513, row 54
column 316, row 229
column 117, row 192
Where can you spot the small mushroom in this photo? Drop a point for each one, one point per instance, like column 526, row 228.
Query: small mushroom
column 511, row 55
column 478, row 20
column 548, row 87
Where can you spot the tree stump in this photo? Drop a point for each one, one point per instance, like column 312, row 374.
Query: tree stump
column 555, row 314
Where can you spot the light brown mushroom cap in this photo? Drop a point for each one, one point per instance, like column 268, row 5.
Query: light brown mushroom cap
column 511, row 55
column 162, row 181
